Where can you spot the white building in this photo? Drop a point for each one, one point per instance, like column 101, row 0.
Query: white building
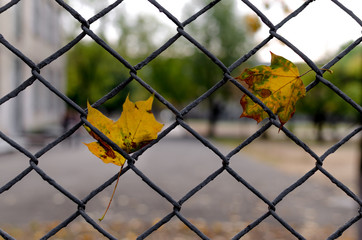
column 33, row 27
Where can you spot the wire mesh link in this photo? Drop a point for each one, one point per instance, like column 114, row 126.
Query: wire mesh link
column 271, row 205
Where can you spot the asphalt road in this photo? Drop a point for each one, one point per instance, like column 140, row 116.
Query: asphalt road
column 176, row 165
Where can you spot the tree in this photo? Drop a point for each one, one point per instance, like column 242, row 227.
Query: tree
column 91, row 73
column 323, row 104
column 181, row 73
column 223, row 33
column 184, row 75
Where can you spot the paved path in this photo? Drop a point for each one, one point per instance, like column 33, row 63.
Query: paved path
column 176, row 166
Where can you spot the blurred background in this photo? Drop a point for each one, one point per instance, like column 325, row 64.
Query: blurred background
column 182, row 73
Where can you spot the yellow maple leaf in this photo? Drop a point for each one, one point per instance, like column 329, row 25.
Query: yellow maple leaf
column 135, row 128
column 278, row 86
column 137, row 125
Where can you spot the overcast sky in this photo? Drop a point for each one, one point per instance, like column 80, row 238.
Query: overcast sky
column 319, row 31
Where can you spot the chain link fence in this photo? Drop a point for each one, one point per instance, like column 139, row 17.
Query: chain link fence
column 271, row 205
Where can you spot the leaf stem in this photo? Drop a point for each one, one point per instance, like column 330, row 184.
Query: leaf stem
column 114, row 191
column 328, row 70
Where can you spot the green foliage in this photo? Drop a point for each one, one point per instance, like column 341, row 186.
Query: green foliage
column 223, row 33
column 172, row 78
column 322, row 101
column 183, row 72
column 91, row 73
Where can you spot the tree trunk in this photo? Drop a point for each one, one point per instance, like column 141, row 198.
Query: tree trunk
column 319, row 120
column 214, row 113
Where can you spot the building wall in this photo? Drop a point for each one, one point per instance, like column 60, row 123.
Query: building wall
column 34, row 27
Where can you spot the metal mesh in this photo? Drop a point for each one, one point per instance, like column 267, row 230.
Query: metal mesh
column 271, row 204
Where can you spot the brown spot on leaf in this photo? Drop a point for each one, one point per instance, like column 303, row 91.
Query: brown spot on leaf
column 264, row 93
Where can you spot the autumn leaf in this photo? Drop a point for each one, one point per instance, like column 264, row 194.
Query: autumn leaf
column 137, row 125
column 135, row 128
column 278, row 86
column 252, row 22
